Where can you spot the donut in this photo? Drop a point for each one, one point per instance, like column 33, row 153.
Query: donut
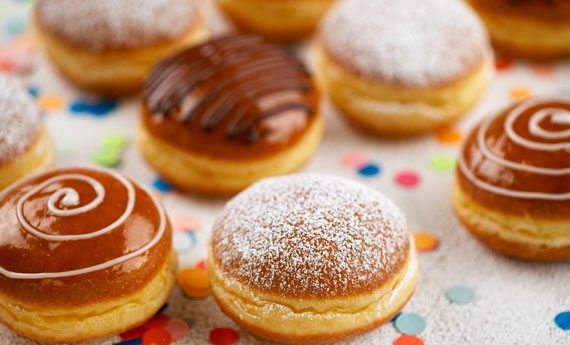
column 512, row 187
column 84, row 253
column 311, row 258
column 535, row 29
column 222, row 115
column 25, row 143
column 402, row 67
column 108, row 46
column 276, row 20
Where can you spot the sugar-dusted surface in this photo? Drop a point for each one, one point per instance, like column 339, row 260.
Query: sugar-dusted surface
column 116, row 24
column 408, row 42
column 310, row 235
column 20, row 120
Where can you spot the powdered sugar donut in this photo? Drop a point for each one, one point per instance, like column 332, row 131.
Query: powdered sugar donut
column 25, row 144
column 399, row 67
column 313, row 250
column 109, row 45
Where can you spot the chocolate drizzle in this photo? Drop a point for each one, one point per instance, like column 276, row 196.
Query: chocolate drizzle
column 219, row 84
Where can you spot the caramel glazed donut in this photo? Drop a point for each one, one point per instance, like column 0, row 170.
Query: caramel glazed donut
column 537, row 29
column 227, row 113
column 25, row 143
column 402, row 67
column 310, row 259
column 108, row 46
column 84, row 253
column 512, row 186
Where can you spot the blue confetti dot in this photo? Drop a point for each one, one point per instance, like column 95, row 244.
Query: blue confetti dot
column 396, row 317
column 162, row 185
column 33, row 91
column 370, row 170
column 562, row 320
column 461, row 294
column 184, row 241
column 137, row 341
column 98, row 109
column 410, row 323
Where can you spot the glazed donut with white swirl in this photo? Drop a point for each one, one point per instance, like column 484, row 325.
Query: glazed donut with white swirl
column 84, row 253
column 512, row 187
column 311, row 259
column 26, row 145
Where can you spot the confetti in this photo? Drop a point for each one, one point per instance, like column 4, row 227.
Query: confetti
column 410, row 323
column 502, row 64
column 137, row 341
column 448, row 135
column 162, row 185
column 116, row 141
column 396, row 317
column 158, row 321
column 106, row 158
column 98, row 108
column 442, row 163
column 184, row 222
column 408, row 340
column 184, row 241
column 543, row 70
column 51, row 102
column 425, row 241
column 370, row 170
column 354, row 160
column 562, row 320
column 461, row 294
column 202, row 265
column 15, row 26
column 33, row 91
column 156, row 336
column 194, row 282
column 520, row 93
column 177, row 328
column 407, row 178
column 223, row 336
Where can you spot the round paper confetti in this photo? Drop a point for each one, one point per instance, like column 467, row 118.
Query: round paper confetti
column 162, row 185
column 354, row 160
column 137, row 341
column 51, row 102
column 156, row 336
column 370, row 170
column 442, row 163
column 408, row 340
column 33, row 90
column 97, row 108
column 184, row 222
column 223, row 336
column 461, row 294
column 396, row 317
column 520, row 93
column 448, row 135
column 562, row 320
column 410, row 323
column 15, row 26
column 194, row 282
column 502, row 64
column 202, row 265
column 543, row 70
column 158, row 321
column 177, row 328
column 183, row 241
column 106, row 158
column 115, row 141
column 407, row 179
column 425, row 241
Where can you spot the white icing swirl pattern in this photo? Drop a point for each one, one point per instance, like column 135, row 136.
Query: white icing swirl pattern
column 557, row 116
column 70, row 199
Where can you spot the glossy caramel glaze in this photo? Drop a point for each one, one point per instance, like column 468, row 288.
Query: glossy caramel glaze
column 23, row 252
column 553, row 11
column 233, row 97
column 542, row 188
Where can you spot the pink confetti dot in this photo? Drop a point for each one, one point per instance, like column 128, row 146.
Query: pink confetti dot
column 354, row 160
column 407, row 178
column 185, row 223
column 177, row 328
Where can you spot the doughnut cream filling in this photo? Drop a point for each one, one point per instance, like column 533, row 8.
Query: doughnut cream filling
column 285, row 315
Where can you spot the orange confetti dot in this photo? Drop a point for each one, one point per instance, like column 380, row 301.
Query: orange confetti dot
column 520, row 93
column 194, row 282
column 425, row 241
column 448, row 135
column 51, row 102
column 156, row 336
column 408, row 340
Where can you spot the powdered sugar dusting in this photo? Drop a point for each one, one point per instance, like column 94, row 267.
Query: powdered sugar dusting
column 20, row 120
column 116, row 24
column 410, row 42
column 310, row 235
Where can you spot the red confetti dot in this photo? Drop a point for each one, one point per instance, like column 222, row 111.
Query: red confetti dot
column 223, row 336
column 158, row 321
column 135, row 333
column 156, row 336
column 408, row 340
column 502, row 64
column 407, row 179
column 202, row 265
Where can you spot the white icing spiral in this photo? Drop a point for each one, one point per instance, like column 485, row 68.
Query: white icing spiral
column 557, row 116
column 70, row 199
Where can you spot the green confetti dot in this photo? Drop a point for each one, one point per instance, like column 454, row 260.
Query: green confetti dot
column 442, row 163
column 107, row 158
column 114, row 141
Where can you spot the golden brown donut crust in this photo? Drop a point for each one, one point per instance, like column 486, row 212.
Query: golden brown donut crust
column 22, row 252
column 502, row 176
column 551, row 11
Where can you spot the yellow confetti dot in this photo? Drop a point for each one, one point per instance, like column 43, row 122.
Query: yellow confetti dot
column 51, row 102
column 425, row 241
column 194, row 282
column 520, row 93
